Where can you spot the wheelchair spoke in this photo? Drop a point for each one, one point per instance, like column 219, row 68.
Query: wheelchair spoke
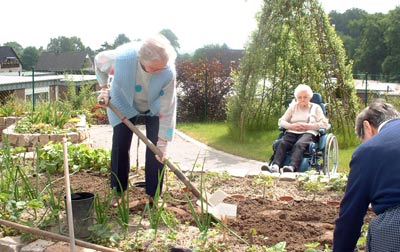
column 330, row 155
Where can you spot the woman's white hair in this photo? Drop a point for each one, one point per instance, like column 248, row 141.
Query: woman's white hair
column 301, row 88
column 156, row 48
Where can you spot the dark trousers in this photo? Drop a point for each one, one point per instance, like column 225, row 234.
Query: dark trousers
column 120, row 160
column 297, row 143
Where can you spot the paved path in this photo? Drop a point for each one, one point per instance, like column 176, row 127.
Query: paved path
column 183, row 151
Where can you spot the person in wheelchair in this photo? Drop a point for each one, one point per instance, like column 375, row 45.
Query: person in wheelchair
column 301, row 123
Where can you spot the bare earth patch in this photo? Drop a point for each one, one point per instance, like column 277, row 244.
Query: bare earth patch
column 261, row 219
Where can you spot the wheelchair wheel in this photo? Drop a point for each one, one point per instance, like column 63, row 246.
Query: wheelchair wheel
column 330, row 162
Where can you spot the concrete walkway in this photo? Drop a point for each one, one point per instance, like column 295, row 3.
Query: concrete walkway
column 183, row 151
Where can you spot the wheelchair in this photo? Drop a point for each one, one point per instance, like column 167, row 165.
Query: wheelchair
column 321, row 155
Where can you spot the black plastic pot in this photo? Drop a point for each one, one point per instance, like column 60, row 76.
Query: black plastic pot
column 82, row 211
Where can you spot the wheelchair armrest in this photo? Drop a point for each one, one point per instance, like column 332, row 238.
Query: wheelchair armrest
column 322, row 131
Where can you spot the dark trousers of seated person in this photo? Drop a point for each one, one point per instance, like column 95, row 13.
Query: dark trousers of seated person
column 120, row 160
column 297, row 143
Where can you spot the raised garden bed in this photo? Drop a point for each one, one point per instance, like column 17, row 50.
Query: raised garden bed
column 31, row 141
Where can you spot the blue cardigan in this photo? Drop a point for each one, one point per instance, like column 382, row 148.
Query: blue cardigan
column 374, row 178
column 122, row 90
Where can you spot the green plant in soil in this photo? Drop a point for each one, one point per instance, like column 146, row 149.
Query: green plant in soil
column 101, row 231
column 20, row 196
column 48, row 118
column 279, row 247
column 251, row 233
column 156, row 210
column 215, row 179
column 338, row 183
column 313, row 247
column 122, row 207
column 306, row 182
column 203, row 219
column 266, row 181
column 80, row 157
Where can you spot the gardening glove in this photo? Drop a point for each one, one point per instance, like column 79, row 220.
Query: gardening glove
column 162, row 146
column 103, row 97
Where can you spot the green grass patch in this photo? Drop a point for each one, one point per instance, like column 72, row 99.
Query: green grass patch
column 344, row 159
column 257, row 145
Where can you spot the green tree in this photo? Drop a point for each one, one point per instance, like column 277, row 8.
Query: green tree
column 391, row 64
column 120, row 40
column 173, row 39
column 371, row 41
column 391, row 68
column 210, row 51
column 392, row 33
column 90, row 52
column 64, row 44
column 294, row 44
column 29, row 57
column 17, row 47
column 371, row 51
column 105, row 46
column 349, row 26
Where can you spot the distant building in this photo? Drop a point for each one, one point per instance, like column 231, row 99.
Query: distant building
column 67, row 62
column 9, row 60
column 376, row 89
column 44, row 87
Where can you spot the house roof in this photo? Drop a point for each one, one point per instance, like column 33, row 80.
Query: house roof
column 62, row 62
column 6, row 52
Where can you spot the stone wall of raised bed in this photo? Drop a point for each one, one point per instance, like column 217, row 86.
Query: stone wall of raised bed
column 31, row 141
column 5, row 122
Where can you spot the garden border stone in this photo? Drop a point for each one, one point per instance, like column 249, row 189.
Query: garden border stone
column 6, row 121
column 31, row 141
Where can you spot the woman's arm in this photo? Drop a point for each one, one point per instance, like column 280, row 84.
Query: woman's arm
column 104, row 66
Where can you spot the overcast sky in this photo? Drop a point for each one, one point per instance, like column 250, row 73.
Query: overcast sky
column 195, row 22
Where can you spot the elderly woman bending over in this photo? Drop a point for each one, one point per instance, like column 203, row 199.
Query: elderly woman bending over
column 302, row 120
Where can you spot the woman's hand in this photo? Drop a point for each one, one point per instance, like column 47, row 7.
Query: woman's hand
column 104, row 97
column 299, row 126
column 162, row 145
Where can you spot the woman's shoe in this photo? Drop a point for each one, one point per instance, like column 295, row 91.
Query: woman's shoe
column 288, row 168
column 273, row 168
column 159, row 203
column 117, row 200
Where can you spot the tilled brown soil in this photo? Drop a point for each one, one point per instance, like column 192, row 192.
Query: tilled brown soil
column 261, row 219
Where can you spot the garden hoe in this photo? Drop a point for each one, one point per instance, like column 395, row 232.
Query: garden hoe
column 156, row 151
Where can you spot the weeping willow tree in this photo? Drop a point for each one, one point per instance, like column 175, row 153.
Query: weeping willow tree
column 294, row 44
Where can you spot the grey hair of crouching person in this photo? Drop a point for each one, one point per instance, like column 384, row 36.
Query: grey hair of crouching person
column 156, row 48
column 301, row 88
column 376, row 113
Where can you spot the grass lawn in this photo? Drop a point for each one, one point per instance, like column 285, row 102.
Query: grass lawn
column 257, row 145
